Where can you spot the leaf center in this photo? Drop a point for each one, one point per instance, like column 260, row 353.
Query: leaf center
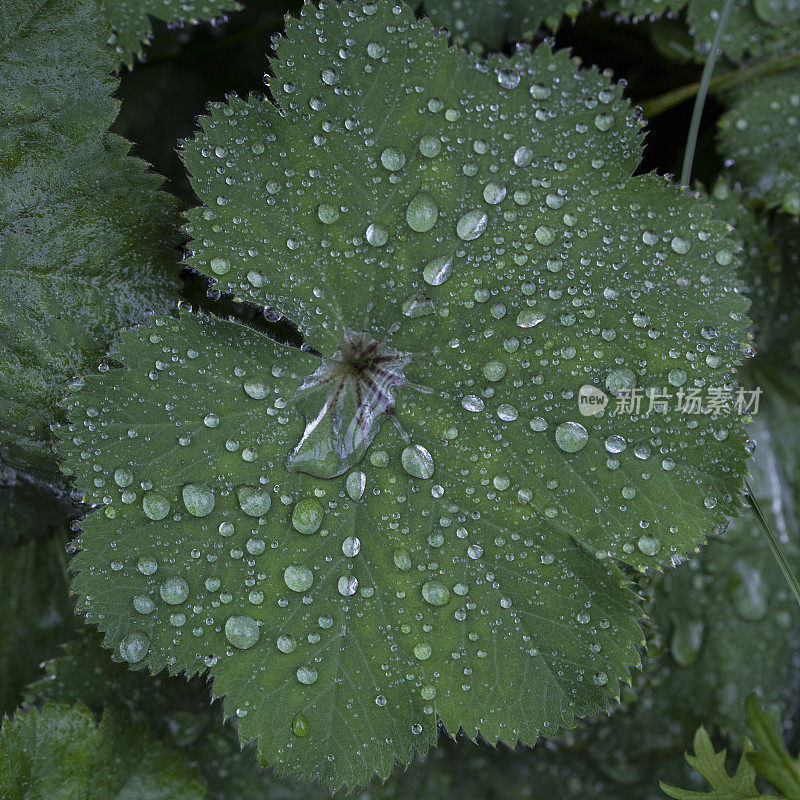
column 343, row 402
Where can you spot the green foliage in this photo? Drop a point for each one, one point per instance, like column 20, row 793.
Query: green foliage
column 178, row 713
column 769, row 760
column 59, row 753
column 343, row 602
column 760, row 133
column 35, row 611
column 88, row 243
column 131, row 24
column 752, row 25
column 491, row 25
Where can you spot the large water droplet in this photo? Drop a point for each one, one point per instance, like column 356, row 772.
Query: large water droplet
column 393, row 159
column 438, row 270
column 174, row 590
column 307, row 675
column 355, row 485
column 435, row 593
column 571, row 436
column 417, row 461
column 242, row 631
column 155, row 506
column 298, row 578
column 687, row 640
column 307, row 516
column 198, row 499
column 472, row 225
column 254, row 501
column 422, row 213
column 133, row 647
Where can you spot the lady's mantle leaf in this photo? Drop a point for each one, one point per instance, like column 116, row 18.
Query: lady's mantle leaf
column 87, row 242
column 131, row 23
column 59, row 753
column 428, row 222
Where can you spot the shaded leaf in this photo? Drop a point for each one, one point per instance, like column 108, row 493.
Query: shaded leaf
column 59, row 753
column 36, row 615
column 760, row 132
column 772, row 760
column 423, row 219
column 130, row 19
column 480, row 25
column 88, row 241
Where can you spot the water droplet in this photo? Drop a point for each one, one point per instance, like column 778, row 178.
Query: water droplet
column 256, row 389
column 242, row 631
column 155, row 506
column 422, row 213
column 355, row 485
column 472, row 225
column 220, row 266
column 300, row 725
column 327, row 213
column 174, row 590
column 377, row 234
column 123, row 478
column 307, row 516
column 147, row 566
column 402, row 560
column 144, row 604
column 679, row 245
column 254, row 501
column 438, row 270
column 393, row 159
column 494, row 370
column 133, row 647
column 473, row 403
column 298, row 578
column 307, row 675
column 430, row 146
column 351, row 546
column 600, row 679
column 494, row 193
column 523, row 156
column 417, row 461
column 435, row 593
column 529, row 318
column 620, row 380
column 198, row 499
column 422, row 651
column 347, row 585
column 649, row 545
column 571, row 437
column 616, row 443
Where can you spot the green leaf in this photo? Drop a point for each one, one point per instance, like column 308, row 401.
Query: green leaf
column 425, row 221
column 59, row 753
column 130, row 19
column 178, row 713
column 711, row 765
column 35, row 611
column 491, row 25
column 88, row 241
column 760, row 133
column 772, row 761
column 751, row 26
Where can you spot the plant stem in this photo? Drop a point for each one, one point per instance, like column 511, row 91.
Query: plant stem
column 664, row 102
column 700, row 100
column 774, row 545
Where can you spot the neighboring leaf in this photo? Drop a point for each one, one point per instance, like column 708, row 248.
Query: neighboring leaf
column 711, row 765
column 177, row 711
column 59, row 753
column 772, row 761
column 426, row 221
column 87, row 242
column 491, row 24
column 36, row 615
column 760, row 134
column 131, row 23
column 769, row 760
column 752, row 23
